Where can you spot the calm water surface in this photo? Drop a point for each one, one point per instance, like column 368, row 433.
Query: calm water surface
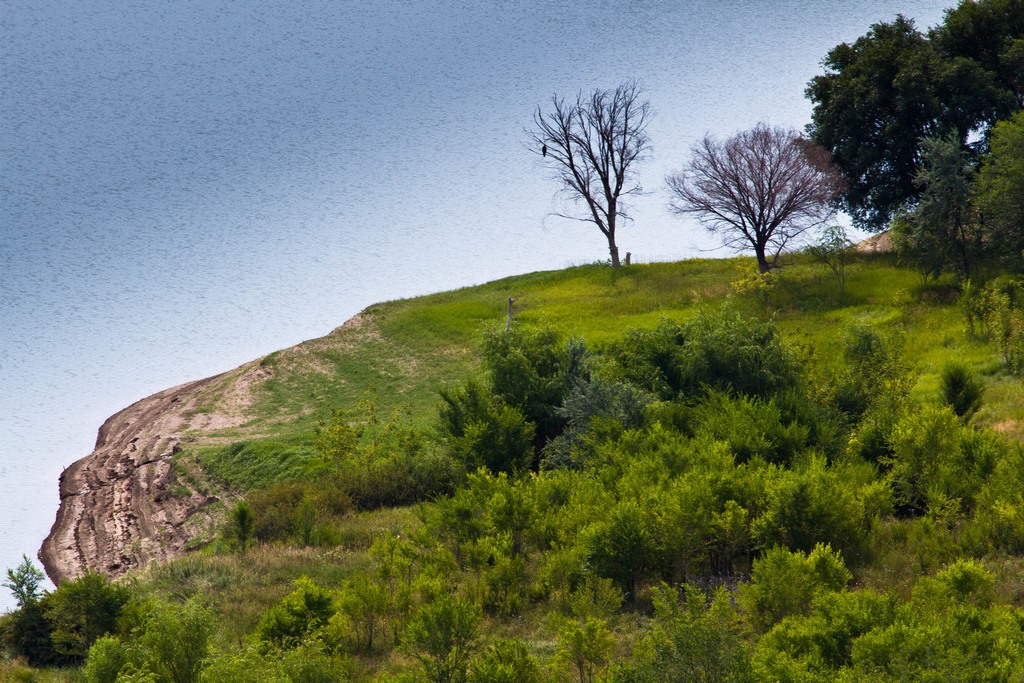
column 187, row 186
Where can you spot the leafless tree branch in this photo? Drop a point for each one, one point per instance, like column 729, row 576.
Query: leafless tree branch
column 592, row 145
column 760, row 189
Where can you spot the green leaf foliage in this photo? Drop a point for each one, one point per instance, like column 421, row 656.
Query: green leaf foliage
column 784, row 583
column 961, row 389
column 82, row 610
column 24, row 582
column 442, row 636
column 692, row 638
column 881, row 95
column 1000, row 186
column 299, row 614
column 504, row 661
column 722, row 350
column 481, row 430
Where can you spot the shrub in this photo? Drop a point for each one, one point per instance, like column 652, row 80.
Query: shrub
column 366, row 603
column 999, row 514
column 822, row 641
column 874, row 376
column 481, row 430
column 753, row 427
column 692, row 638
column 968, row 582
column 300, row 613
column 834, row 250
column 442, row 636
column 274, row 509
column 241, row 524
column 625, row 547
column 311, row 662
column 818, row 504
column 25, row 632
column 505, row 661
column 961, row 389
column 583, row 647
column 82, row 610
column 1004, row 319
column 722, row 350
column 783, row 583
column 175, row 639
column 532, row 370
column 107, row 657
column 245, row 664
column 935, row 459
column 594, row 410
column 375, row 464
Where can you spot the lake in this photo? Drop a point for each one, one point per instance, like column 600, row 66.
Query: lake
column 187, row 186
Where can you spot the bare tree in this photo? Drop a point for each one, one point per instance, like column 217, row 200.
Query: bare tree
column 593, row 144
column 760, row 189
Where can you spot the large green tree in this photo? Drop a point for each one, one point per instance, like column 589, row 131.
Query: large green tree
column 943, row 231
column 1000, row 187
column 991, row 33
column 895, row 86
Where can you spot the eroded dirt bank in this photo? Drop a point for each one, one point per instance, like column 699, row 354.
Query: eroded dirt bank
column 116, row 508
column 121, row 507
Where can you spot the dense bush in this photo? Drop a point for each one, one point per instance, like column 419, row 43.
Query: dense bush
column 594, row 411
column 300, row 613
column 442, row 636
column 532, row 370
column 625, row 546
column 505, row 661
column 961, row 389
column 82, row 610
column 481, row 430
column 692, row 638
column 720, row 349
column 169, row 645
column 874, row 378
column 784, row 583
column 753, row 428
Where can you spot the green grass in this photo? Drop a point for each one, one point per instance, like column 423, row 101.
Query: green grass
column 246, row 465
column 241, row 588
column 402, row 351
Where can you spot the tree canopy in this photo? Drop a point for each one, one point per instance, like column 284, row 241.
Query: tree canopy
column 760, row 189
column 943, row 229
column 1000, row 186
column 882, row 95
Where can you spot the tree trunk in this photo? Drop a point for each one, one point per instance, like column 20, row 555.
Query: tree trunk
column 614, row 251
column 762, row 262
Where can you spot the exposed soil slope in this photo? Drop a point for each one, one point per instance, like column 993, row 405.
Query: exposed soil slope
column 120, row 506
column 115, row 509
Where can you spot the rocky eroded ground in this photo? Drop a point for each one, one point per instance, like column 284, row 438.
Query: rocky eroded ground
column 116, row 508
column 121, row 506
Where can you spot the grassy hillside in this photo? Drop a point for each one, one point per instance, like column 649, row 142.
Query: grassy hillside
column 396, row 354
column 372, row 386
